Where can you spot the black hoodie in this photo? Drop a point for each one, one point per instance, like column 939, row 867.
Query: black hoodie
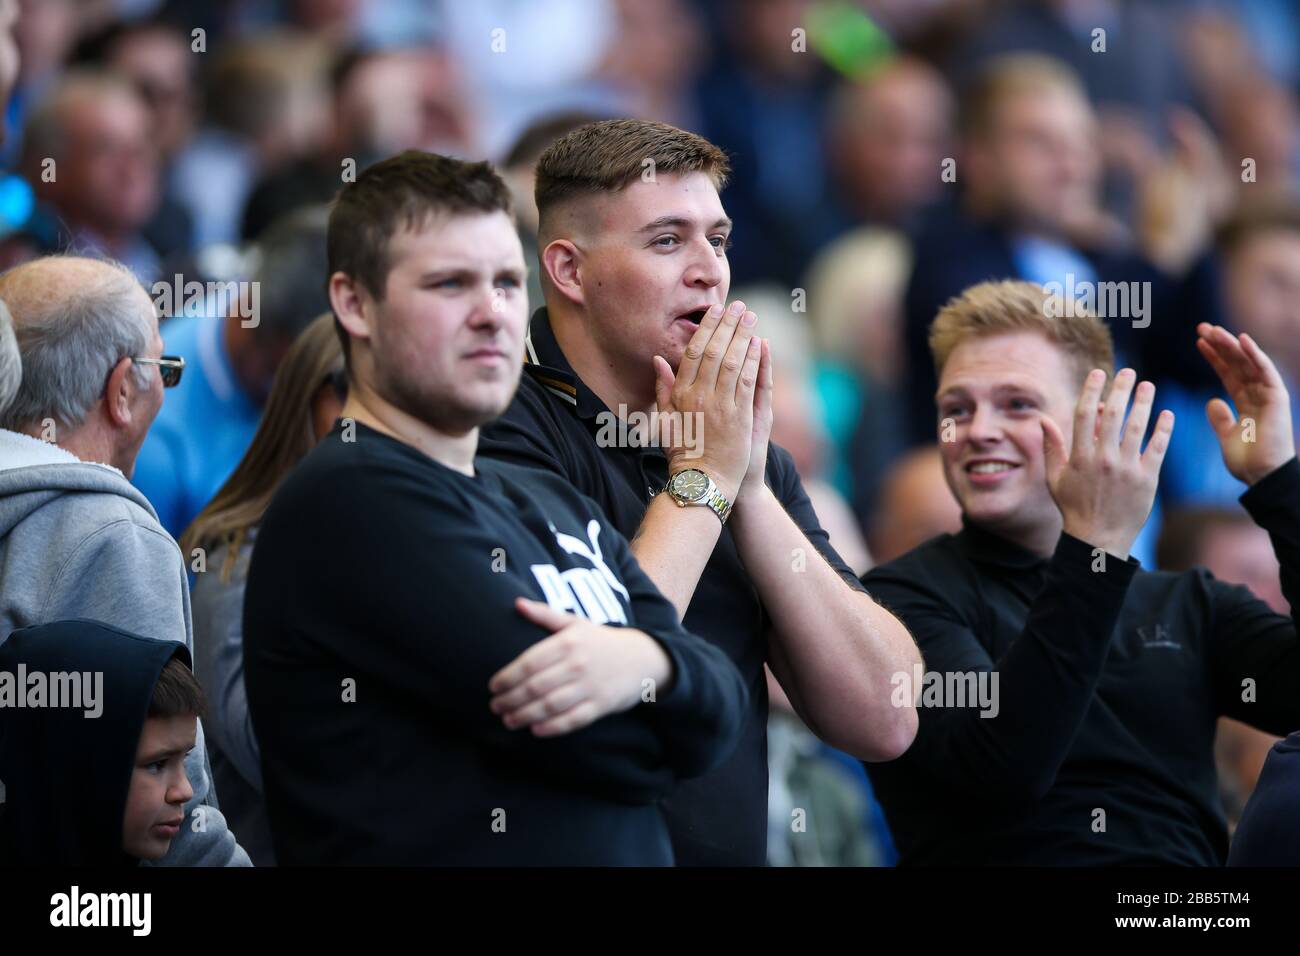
column 67, row 775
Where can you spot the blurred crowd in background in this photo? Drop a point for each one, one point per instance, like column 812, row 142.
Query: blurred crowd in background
column 887, row 154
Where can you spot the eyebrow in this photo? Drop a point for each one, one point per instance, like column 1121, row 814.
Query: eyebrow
column 165, row 754
column 961, row 390
column 682, row 221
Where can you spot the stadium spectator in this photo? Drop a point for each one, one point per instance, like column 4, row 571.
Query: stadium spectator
column 636, row 276
column 310, row 387
column 233, row 341
column 77, row 540
column 1070, row 716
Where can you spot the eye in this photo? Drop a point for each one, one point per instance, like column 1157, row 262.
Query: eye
column 721, row 243
column 1022, row 405
column 156, row 767
column 952, row 411
column 509, row 282
column 665, row 242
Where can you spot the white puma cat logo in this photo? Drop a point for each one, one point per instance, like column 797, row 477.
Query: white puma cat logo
column 587, row 592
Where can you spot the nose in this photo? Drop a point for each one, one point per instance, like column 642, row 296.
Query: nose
column 984, row 428
column 488, row 311
column 180, row 792
column 706, row 269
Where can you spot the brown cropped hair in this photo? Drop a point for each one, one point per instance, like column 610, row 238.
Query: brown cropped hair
column 605, row 156
column 402, row 192
column 998, row 308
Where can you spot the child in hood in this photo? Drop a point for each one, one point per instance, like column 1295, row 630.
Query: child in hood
column 98, row 780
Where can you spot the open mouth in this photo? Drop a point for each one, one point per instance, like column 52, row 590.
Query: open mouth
column 695, row 318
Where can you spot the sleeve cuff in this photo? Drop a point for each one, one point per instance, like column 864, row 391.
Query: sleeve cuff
column 1279, row 488
column 1078, row 557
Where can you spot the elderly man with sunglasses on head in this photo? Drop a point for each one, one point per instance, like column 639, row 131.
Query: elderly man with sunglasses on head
column 81, row 379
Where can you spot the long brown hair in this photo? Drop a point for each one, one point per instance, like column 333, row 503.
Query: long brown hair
column 284, row 436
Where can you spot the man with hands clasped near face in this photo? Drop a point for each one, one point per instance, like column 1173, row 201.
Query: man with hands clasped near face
column 1095, row 745
column 632, row 241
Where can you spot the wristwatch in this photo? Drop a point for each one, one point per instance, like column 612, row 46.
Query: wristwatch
column 690, row 486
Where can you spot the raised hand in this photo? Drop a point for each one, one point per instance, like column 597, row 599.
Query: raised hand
column 716, row 380
column 1105, row 484
column 579, row 674
column 1263, row 440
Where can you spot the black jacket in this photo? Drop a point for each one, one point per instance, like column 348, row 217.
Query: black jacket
column 1109, row 685
column 380, row 601
column 67, row 774
column 555, row 424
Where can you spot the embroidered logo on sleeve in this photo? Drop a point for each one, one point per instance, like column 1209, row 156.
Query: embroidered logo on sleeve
column 587, row 592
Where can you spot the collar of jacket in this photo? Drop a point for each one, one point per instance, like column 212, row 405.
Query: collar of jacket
column 985, row 547
column 546, row 364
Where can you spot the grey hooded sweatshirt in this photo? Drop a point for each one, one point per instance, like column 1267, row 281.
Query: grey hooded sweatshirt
column 77, row 540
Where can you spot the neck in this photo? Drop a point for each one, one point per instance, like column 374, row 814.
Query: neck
column 87, row 444
column 1039, row 539
column 615, row 386
column 454, row 451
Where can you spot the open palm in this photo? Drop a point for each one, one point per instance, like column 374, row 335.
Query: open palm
column 1262, row 440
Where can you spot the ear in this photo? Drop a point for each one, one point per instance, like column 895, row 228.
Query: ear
column 562, row 263
column 117, row 394
column 347, row 299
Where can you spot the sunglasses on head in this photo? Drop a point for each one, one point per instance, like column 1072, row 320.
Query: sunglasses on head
column 169, row 367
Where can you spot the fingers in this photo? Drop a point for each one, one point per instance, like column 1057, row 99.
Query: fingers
column 543, row 614
column 538, row 657
column 542, row 696
column 1154, row 456
column 737, row 352
column 1240, row 368
column 664, row 381
column 1268, row 371
column 1112, row 418
column 763, row 389
column 748, row 379
column 715, row 352
column 1221, row 369
column 1221, row 418
column 1053, row 449
column 694, row 353
column 1085, row 413
column 1138, row 418
column 575, row 718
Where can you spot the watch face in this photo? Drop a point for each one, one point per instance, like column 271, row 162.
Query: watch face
column 692, row 485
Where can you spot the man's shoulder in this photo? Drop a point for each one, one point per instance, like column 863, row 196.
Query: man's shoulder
column 934, row 560
column 537, row 400
column 520, row 482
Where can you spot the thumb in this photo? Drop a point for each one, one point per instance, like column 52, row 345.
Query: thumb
column 1221, row 418
column 543, row 615
column 1054, row 456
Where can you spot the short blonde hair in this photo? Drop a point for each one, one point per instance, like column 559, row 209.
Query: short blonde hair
column 1009, row 306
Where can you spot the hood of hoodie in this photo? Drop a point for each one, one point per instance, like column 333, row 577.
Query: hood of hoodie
column 66, row 774
column 33, row 473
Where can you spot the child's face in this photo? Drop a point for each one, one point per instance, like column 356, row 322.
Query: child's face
column 159, row 788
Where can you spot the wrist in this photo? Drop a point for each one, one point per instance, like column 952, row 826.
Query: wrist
column 1118, row 546
column 727, row 486
column 657, row 667
column 1255, row 476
